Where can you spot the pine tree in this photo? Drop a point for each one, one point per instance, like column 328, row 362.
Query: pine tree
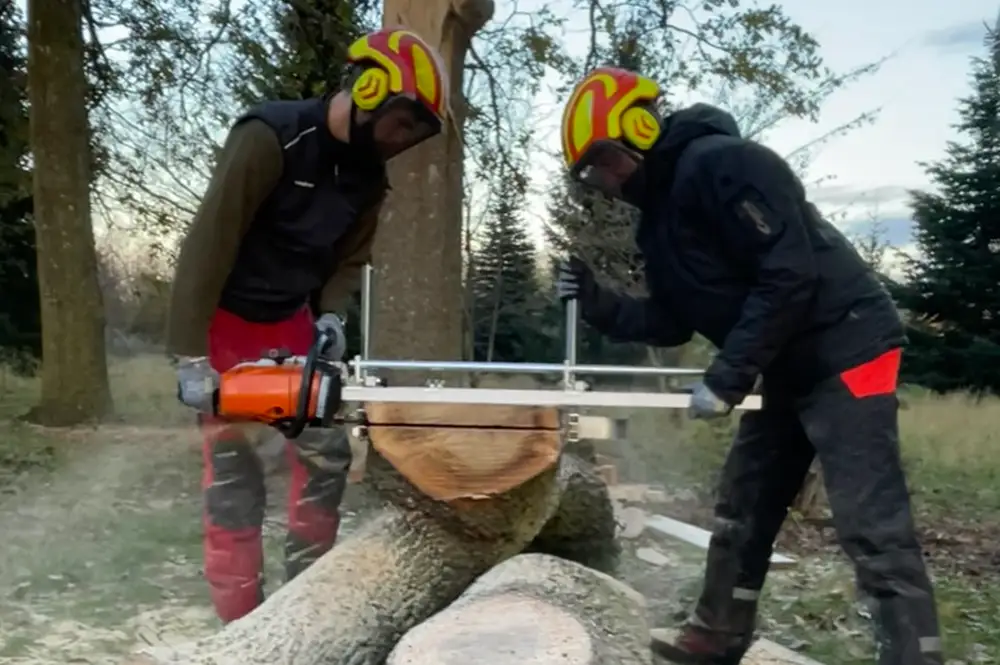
column 505, row 287
column 20, row 318
column 952, row 294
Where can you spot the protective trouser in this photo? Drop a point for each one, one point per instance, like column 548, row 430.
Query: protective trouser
column 233, row 479
column 850, row 422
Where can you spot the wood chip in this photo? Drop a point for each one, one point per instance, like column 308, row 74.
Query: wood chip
column 649, row 555
column 631, row 521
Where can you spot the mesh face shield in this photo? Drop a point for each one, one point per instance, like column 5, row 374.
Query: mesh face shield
column 606, row 166
column 401, row 123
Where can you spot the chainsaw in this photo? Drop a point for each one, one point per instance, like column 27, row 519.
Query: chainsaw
column 292, row 393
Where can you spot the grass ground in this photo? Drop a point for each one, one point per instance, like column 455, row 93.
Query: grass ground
column 101, row 532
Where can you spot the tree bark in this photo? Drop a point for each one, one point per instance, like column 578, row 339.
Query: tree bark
column 417, row 312
column 74, row 368
column 409, row 562
column 812, row 503
column 582, row 531
column 534, row 610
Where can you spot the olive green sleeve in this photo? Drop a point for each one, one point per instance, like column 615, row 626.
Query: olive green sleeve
column 247, row 169
column 354, row 250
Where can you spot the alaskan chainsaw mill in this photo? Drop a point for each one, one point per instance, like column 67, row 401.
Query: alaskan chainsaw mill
column 292, row 393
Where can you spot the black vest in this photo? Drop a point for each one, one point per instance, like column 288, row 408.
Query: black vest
column 289, row 250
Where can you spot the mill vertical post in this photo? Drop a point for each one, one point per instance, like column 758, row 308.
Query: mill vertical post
column 572, row 318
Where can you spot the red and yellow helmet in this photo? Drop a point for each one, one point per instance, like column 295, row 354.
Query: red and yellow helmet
column 399, row 63
column 609, row 105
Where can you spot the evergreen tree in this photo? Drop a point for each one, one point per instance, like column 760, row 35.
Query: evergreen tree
column 503, row 275
column 20, row 319
column 952, row 294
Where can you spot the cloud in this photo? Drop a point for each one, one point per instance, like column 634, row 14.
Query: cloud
column 955, row 38
column 841, row 196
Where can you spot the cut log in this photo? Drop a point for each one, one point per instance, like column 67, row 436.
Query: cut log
column 454, row 451
column 534, row 610
column 462, row 415
column 449, row 464
column 416, row 556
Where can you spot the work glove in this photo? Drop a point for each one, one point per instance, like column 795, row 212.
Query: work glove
column 196, row 383
column 575, row 280
column 333, row 327
column 705, row 404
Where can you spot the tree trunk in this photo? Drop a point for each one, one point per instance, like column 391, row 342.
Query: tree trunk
column 534, row 610
column 811, row 502
column 74, row 369
column 417, row 309
column 418, row 554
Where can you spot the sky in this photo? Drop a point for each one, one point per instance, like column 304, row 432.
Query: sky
column 929, row 44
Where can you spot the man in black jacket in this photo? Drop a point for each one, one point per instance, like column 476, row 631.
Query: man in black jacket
column 735, row 252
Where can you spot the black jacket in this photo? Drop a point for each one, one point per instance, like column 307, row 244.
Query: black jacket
column 290, row 249
column 734, row 252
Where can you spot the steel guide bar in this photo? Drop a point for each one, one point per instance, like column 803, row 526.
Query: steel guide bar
column 515, row 397
column 359, row 387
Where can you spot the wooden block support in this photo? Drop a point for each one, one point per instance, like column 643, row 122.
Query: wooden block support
column 700, row 537
column 456, row 451
column 601, row 428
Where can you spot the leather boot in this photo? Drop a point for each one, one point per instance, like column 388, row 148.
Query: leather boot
column 722, row 639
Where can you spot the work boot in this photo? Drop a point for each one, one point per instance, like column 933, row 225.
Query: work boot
column 694, row 645
column 721, row 628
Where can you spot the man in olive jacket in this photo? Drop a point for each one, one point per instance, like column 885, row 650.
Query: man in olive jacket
column 274, row 252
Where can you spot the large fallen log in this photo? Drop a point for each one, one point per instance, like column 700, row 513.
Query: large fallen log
column 420, row 553
column 534, row 609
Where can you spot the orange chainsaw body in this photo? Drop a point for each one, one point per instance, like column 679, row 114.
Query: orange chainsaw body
column 264, row 393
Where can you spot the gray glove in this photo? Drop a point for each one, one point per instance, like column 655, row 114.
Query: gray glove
column 197, row 383
column 333, row 327
column 705, row 404
column 575, row 280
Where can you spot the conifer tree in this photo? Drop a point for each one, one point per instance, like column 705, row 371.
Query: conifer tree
column 952, row 294
column 20, row 318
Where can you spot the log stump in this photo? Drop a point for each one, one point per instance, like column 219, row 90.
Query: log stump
column 534, row 609
column 465, row 488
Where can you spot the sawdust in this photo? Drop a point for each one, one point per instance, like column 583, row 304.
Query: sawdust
column 104, row 556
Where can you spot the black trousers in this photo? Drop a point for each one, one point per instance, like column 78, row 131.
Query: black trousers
column 854, row 432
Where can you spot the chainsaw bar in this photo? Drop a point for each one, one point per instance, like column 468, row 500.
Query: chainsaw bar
column 517, row 397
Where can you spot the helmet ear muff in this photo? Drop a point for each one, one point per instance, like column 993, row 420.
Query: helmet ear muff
column 370, row 88
column 640, row 127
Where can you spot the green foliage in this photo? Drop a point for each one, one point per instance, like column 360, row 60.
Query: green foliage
column 951, row 293
column 686, row 47
column 20, row 319
column 506, row 301
column 298, row 49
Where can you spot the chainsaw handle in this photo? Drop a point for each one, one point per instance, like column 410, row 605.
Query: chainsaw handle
column 293, row 428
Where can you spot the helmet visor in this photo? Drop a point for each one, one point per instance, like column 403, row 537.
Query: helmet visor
column 606, row 166
column 401, row 123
